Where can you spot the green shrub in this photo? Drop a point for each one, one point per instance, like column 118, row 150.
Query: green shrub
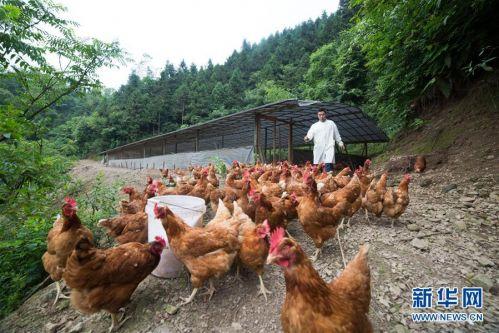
column 220, row 165
column 419, row 50
column 31, row 186
column 27, row 217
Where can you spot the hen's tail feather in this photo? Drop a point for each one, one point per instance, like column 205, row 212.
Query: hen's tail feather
column 102, row 222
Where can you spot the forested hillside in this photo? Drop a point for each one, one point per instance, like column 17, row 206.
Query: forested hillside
column 384, row 57
column 391, row 58
column 185, row 94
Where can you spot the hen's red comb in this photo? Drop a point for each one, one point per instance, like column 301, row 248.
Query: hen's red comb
column 160, row 240
column 70, row 201
column 276, row 237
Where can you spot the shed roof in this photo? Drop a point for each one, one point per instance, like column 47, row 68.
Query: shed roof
column 237, row 129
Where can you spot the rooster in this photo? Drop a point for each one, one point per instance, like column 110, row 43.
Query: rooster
column 248, row 207
column 311, row 304
column 365, row 177
column 131, row 227
column 200, row 189
column 420, row 164
column 105, row 279
column 396, row 201
column 254, row 245
column 318, row 221
column 265, row 209
column 350, row 194
column 61, row 241
column 212, row 176
column 342, row 178
column 127, row 228
column 137, row 202
column 373, row 200
column 206, row 252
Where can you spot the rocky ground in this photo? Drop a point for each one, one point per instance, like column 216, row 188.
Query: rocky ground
column 447, row 237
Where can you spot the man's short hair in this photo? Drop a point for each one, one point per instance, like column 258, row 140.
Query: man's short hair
column 322, row 110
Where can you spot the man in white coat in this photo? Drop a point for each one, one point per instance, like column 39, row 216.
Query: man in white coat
column 325, row 134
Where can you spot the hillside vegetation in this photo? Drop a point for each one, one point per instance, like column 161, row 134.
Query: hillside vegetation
column 460, row 134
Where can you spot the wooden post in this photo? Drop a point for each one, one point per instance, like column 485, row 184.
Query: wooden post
column 290, row 142
column 278, row 142
column 265, row 146
column 274, row 139
column 144, row 151
column 256, row 139
column 196, row 142
column 164, row 147
column 365, row 149
column 222, row 141
column 175, row 144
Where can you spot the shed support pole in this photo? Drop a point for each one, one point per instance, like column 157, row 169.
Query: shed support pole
column 175, row 138
column 256, row 139
column 144, row 151
column 274, row 141
column 222, row 141
column 265, row 146
column 164, row 148
column 196, row 142
column 290, row 142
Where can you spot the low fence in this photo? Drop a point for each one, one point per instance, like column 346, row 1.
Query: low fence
column 183, row 160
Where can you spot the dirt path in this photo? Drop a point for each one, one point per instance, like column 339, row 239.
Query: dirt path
column 462, row 251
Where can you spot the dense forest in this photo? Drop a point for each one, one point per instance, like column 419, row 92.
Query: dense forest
column 389, row 57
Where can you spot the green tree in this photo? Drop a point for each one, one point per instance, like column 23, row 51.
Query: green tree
column 32, row 170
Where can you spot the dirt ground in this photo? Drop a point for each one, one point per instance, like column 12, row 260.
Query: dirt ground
column 459, row 248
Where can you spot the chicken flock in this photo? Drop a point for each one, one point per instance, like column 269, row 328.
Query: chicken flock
column 249, row 228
